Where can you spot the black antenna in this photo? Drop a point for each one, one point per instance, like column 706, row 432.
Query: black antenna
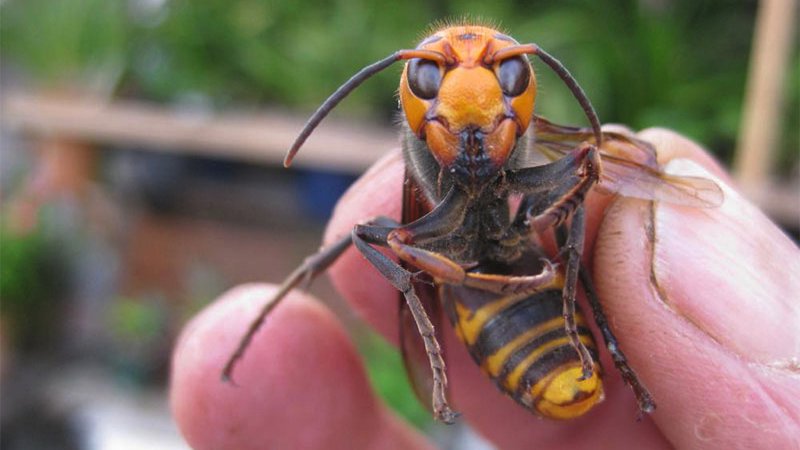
column 562, row 73
column 575, row 88
column 334, row 100
column 349, row 86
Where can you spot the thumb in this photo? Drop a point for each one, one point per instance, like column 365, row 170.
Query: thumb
column 707, row 302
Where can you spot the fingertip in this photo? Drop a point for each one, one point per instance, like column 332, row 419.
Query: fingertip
column 300, row 383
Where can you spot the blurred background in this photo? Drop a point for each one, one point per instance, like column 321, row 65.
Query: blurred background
column 140, row 173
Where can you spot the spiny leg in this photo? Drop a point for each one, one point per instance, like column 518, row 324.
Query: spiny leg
column 578, row 164
column 569, row 181
column 448, row 271
column 553, row 191
column 444, row 219
column 310, row 268
column 643, row 397
column 401, row 279
column 306, row 272
column 571, row 193
column 573, row 250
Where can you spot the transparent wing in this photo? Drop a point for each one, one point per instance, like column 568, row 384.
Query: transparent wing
column 630, row 167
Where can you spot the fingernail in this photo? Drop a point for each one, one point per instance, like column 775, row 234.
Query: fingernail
column 730, row 272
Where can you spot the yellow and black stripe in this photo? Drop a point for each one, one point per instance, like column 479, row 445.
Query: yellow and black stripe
column 521, row 343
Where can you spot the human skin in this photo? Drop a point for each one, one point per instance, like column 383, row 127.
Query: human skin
column 704, row 303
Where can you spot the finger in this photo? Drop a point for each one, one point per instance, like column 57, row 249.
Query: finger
column 377, row 193
column 705, row 304
column 501, row 420
column 300, row 384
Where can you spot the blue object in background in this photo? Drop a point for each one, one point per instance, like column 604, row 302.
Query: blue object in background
column 320, row 190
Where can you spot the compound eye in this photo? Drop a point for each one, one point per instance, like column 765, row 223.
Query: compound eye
column 514, row 75
column 424, row 78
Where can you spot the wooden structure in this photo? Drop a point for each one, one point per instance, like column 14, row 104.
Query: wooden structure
column 263, row 137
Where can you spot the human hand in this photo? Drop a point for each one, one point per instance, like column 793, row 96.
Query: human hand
column 704, row 303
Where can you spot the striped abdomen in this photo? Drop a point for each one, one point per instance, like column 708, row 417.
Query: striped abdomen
column 520, row 342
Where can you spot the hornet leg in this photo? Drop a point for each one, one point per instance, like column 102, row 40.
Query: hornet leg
column 311, row 267
column 643, row 397
column 402, row 279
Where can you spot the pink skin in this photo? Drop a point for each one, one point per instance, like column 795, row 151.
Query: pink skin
column 708, row 316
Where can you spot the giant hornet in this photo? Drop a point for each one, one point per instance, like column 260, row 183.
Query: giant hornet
column 474, row 212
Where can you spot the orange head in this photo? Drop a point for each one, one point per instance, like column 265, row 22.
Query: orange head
column 468, row 92
column 471, row 101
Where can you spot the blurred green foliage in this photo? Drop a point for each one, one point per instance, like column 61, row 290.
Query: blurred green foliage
column 31, row 283
column 389, row 380
column 66, row 43
column 674, row 63
column 137, row 319
column 140, row 339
